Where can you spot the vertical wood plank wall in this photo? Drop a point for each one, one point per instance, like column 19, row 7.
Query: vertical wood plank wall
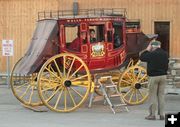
column 18, row 19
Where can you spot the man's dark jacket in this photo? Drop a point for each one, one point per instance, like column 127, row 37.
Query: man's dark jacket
column 157, row 62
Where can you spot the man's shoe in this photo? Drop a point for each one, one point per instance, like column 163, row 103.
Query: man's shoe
column 150, row 117
column 162, row 117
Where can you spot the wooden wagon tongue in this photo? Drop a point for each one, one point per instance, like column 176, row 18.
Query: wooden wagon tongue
column 41, row 48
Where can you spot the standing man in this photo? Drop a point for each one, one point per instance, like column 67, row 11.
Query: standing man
column 157, row 66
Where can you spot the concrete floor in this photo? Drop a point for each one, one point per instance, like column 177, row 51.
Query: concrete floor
column 12, row 113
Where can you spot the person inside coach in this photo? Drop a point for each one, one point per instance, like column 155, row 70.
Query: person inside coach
column 92, row 35
column 76, row 43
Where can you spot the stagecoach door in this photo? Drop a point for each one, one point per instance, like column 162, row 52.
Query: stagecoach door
column 97, row 51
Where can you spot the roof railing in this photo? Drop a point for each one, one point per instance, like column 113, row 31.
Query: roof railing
column 84, row 13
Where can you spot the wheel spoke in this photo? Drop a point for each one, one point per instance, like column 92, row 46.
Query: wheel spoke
column 142, row 95
column 18, row 87
column 80, row 77
column 137, row 96
column 126, row 81
column 129, row 76
column 138, row 75
column 131, row 96
column 52, row 73
column 133, row 74
column 75, row 71
column 57, row 68
column 25, row 92
column 49, row 88
column 53, row 94
column 128, row 92
column 65, row 97
column 59, row 97
column 51, row 68
column 77, row 92
column 142, row 78
column 70, row 67
column 64, row 66
column 30, row 97
column 69, row 92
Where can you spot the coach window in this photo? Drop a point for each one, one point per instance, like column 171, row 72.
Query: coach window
column 71, row 32
column 74, row 37
column 118, row 34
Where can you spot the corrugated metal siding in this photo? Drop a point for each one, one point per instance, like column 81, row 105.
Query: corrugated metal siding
column 18, row 18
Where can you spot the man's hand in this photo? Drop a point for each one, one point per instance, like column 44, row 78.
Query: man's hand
column 149, row 47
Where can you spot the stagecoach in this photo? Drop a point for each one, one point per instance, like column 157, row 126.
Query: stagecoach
column 52, row 74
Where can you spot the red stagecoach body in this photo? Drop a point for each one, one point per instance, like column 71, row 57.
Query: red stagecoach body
column 51, row 37
column 101, row 54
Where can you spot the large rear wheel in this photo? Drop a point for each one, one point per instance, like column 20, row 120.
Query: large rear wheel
column 64, row 82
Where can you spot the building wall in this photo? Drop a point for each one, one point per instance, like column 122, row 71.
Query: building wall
column 18, row 19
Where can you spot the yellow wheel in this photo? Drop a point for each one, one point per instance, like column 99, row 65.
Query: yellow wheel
column 24, row 87
column 133, row 85
column 64, row 82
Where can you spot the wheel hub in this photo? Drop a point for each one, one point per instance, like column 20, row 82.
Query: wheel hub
column 67, row 83
column 137, row 85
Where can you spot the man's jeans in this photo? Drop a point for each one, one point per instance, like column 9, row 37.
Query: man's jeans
column 156, row 94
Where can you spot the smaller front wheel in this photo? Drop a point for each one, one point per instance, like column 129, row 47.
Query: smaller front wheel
column 133, row 85
column 64, row 82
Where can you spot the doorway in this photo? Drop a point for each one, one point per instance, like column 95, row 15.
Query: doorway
column 162, row 28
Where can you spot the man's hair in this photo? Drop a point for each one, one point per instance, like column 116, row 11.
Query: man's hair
column 91, row 30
